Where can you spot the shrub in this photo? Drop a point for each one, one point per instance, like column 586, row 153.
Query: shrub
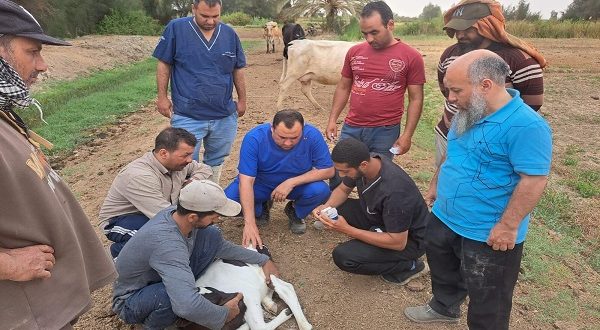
column 259, row 21
column 420, row 27
column 128, row 23
column 352, row 31
column 237, row 19
column 554, row 29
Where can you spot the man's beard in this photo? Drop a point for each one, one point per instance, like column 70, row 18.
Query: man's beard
column 466, row 47
column 466, row 118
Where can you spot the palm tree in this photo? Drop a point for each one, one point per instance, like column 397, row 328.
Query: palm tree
column 332, row 9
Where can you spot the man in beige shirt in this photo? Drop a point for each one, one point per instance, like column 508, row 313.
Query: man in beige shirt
column 150, row 184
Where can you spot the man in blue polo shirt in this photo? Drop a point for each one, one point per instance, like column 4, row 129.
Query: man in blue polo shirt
column 285, row 160
column 204, row 59
column 499, row 155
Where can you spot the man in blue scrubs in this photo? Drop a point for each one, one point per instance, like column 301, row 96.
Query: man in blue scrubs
column 203, row 59
column 496, row 169
column 279, row 161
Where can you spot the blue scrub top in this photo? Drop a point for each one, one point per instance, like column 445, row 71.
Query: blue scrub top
column 201, row 70
column 264, row 160
column 482, row 168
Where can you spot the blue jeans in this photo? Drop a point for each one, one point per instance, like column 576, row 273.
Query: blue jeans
column 217, row 136
column 151, row 305
column 378, row 139
column 306, row 197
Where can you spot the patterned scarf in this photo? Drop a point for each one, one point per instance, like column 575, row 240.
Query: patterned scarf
column 13, row 92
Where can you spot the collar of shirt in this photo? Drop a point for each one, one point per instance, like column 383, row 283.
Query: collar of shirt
column 149, row 156
column 500, row 115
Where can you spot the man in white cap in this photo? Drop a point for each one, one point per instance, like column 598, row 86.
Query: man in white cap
column 159, row 265
column 50, row 256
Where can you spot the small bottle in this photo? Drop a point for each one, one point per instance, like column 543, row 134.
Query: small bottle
column 331, row 212
column 395, row 150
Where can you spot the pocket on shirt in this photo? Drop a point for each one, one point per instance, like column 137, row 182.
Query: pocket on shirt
column 227, row 62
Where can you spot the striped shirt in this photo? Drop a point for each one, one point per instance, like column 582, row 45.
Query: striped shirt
column 525, row 76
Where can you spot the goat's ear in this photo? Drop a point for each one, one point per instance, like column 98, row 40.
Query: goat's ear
column 204, row 291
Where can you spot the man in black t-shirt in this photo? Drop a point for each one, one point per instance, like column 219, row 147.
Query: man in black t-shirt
column 387, row 222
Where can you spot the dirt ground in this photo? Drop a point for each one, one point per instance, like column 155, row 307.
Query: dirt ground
column 331, row 298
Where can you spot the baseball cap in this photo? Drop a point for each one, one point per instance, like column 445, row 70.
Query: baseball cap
column 207, row 196
column 465, row 16
column 17, row 21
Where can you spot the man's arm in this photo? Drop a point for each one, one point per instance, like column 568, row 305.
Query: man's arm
column 171, row 261
column 524, row 198
column 239, row 80
column 281, row 192
column 163, row 74
column 250, row 235
column 338, row 196
column 340, row 98
column 27, row 263
column 392, row 241
column 198, row 170
column 431, row 193
column 413, row 114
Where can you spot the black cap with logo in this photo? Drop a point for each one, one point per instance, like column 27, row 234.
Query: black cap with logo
column 466, row 16
column 17, row 21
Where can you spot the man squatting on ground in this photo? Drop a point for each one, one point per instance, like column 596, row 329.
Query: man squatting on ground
column 50, row 256
column 204, row 59
column 283, row 160
column 479, row 24
column 149, row 184
column 499, row 155
column 159, row 266
column 387, row 222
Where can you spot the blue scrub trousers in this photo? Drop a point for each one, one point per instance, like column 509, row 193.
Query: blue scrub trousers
column 306, row 197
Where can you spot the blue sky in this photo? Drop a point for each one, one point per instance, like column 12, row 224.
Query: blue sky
column 414, row 8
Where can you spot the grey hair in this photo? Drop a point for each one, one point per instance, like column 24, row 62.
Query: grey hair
column 210, row 3
column 5, row 40
column 489, row 67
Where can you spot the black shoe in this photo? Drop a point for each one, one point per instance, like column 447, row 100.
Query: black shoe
column 265, row 216
column 297, row 225
column 402, row 278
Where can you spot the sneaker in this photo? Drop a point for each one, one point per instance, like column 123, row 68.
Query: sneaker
column 263, row 219
column 297, row 225
column 425, row 314
column 402, row 278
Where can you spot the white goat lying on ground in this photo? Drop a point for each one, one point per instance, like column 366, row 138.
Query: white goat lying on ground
column 250, row 281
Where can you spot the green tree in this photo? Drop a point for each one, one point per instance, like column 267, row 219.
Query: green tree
column 334, row 10
column 254, row 8
column 430, row 12
column 165, row 10
column 583, row 9
column 71, row 18
column 520, row 12
column 553, row 15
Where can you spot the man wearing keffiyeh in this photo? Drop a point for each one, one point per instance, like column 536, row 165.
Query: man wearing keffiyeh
column 50, row 256
column 479, row 24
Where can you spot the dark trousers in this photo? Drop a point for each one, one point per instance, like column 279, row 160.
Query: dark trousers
column 460, row 266
column 121, row 228
column 357, row 257
column 151, row 305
